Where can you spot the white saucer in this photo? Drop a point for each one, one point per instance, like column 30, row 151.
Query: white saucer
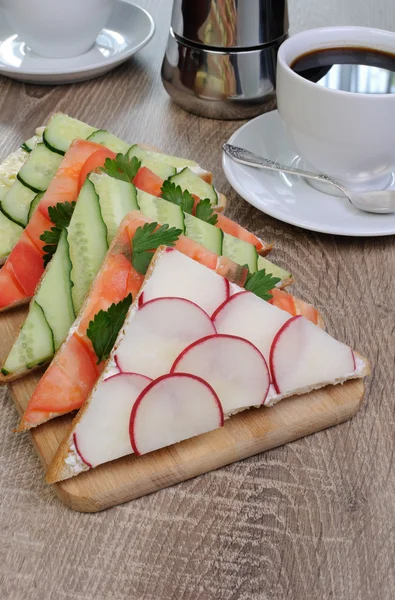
column 129, row 29
column 291, row 199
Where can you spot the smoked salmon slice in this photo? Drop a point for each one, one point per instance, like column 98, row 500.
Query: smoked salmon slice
column 295, row 306
column 71, row 375
column 25, row 262
column 149, row 182
column 232, row 228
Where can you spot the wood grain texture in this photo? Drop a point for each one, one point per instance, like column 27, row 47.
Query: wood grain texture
column 311, row 520
column 305, row 14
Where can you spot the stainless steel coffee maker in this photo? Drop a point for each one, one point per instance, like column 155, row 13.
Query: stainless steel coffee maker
column 220, row 59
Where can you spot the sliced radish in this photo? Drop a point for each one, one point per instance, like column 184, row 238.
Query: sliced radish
column 304, row 356
column 102, row 434
column 234, row 367
column 157, row 332
column 171, row 409
column 247, row 316
column 177, row 275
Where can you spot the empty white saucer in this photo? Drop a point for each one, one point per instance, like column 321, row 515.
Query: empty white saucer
column 129, row 29
column 291, row 199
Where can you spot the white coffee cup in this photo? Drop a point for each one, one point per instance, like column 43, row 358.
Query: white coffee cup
column 349, row 136
column 58, row 28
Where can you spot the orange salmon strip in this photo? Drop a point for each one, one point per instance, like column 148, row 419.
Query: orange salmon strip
column 294, row 306
column 70, row 377
column 232, row 228
column 25, row 264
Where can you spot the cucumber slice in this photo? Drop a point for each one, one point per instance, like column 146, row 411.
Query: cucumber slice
column 87, row 238
column 240, row 252
column 273, row 269
column 117, row 198
column 54, row 293
column 39, row 168
column 195, row 185
column 34, row 344
column 9, row 169
column 161, row 210
column 173, row 161
column 103, row 137
column 209, row 236
column 16, row 203
column 10, row 233
column 62, row 130
column 154, row 164
column 33, row 204
column 32, row 142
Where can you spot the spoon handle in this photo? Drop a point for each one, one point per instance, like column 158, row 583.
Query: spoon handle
column 245, row 157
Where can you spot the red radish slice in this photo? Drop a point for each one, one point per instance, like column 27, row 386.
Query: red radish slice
column 102, row 434
column 234, row 367
column 247, row 316
column 177, row 275
column 171, row 409
column 157, row 332
column 305, row 356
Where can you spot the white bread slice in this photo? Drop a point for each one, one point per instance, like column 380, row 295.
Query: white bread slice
column 67, row 461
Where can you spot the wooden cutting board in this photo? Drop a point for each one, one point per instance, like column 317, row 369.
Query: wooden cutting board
column 246, row 434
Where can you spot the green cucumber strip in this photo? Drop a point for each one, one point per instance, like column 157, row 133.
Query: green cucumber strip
column 203, row 233
column 32, row 142
column 87, row 238
column 54, row 293
column 273, row 269
column 160, row 168
column 110, row 141
column 240, row 252
column 173, row 161
column 34, row 344
column 16, row 203
column 62, row 130
column 161, row 210
column 195, row 185
column 117, row 198
column 33, row 204
column 9, row 170
column 10, row 233
column 39, row 169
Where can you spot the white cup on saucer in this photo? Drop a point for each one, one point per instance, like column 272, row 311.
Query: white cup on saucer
column 58, row 28
column 347, row 135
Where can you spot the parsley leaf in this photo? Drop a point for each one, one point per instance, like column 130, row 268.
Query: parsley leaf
column 122, row 167
column 60, row 215
column 205, row 212
column 173, row 193
column 146, row 240
column 260, row 284
column 104, row 328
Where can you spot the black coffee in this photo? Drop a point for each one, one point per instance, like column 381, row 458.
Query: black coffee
column 362, row 70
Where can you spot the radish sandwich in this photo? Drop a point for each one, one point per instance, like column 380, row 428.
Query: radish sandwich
column 193, row 351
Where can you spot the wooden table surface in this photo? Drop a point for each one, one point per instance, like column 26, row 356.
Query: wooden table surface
column 311, row 520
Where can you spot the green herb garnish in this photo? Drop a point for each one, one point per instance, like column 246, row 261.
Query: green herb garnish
column 122, row 167
column 173, row 193
column 260, row 283
column 205, row 212
column 146, row 240
column 104, row 328
column 60, row 215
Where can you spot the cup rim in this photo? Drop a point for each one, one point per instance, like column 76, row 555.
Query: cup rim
column 341, row 30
